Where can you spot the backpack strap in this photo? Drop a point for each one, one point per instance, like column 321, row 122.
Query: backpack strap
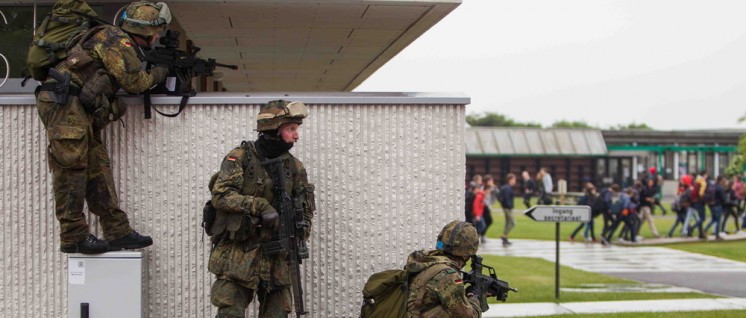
column 419, row 282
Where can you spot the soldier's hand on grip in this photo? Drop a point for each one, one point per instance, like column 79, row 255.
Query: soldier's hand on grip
column 269, row 215
column 270, row 218
column 473, row 291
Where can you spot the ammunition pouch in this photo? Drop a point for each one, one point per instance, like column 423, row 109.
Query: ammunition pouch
column 108, row 111
column 97, row 97
column 233, row 226
column 80, row 62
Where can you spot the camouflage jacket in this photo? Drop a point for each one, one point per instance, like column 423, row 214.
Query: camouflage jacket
column 113, row 50
column 239, row 184
column 445, row 295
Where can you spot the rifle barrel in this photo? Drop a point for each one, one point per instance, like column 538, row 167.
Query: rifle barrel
column 233, row 67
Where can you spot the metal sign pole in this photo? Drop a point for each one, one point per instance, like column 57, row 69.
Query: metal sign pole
column 562, row 185
column 557, row 263
column 558, row 214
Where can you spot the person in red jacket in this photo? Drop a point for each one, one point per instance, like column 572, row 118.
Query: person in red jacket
column 478, row 210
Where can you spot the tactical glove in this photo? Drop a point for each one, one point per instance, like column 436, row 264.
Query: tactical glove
column 159, row 74
column 269, row 215
column 473, row 291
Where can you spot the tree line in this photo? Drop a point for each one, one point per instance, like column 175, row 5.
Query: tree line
column 491, row 119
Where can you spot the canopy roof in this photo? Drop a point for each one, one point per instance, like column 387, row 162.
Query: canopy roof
column 534, row 142
column 300, row 45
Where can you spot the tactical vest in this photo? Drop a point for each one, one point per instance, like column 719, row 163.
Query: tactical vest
column 257, row 183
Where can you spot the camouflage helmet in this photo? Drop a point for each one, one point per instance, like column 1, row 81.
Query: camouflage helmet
column 277, row 112
column 145, row 18
column 459, row 239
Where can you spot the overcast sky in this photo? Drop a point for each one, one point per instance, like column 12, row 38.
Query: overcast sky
column 673, row 64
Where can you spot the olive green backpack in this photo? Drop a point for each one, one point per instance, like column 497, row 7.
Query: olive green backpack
column 56, row 34
column 385, row 294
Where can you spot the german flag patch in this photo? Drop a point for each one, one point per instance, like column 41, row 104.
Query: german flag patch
column 127, row 43
column 458, row 281
column 232, row 158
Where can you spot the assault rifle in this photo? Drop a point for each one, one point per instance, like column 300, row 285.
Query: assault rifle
column 182, row 66
column 290, row 237
column 487, row 285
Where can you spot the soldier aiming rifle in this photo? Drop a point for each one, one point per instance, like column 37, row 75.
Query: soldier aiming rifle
column 182, row 67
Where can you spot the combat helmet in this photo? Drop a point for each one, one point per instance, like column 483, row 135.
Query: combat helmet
column 145, row 18
column 458, row 239
column 277, row 112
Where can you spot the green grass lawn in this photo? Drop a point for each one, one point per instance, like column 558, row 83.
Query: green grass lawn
column 734, row 250
column 687, row 314
column 534, row 279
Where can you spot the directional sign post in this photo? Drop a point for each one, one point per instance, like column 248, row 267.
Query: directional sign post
column 557, row 214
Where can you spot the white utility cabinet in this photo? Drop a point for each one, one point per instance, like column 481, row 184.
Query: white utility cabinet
column 108, row 285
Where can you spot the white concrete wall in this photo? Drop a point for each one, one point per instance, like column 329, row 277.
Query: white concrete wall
column 388, row 172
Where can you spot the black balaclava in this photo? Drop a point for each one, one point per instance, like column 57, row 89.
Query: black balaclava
column 271, row 145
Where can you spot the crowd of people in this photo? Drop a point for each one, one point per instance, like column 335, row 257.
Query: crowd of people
column 631, row 207
column 482, row 194
column 624, row 211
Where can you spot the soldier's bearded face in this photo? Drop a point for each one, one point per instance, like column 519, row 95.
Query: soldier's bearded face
column 289, row 132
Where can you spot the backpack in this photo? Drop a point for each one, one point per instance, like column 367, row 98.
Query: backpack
column 597, row 204
column 209, row 212
column 57, row 33
column 617, row 207
column 709, row 196
column 684, row 200
column 386, row 293
column 584, row 200
column 694, row 194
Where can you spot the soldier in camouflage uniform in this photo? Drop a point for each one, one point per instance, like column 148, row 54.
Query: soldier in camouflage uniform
column 444, row 294
column 103, row 60
column 247, row 216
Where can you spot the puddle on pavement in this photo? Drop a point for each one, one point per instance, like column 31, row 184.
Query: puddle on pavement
column 628, row 288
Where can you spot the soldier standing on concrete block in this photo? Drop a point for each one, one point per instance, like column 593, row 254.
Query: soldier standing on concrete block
column 75, row 103
column 264, row 209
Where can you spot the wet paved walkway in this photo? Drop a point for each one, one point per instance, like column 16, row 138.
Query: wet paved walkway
column 599, row 259
column 644, row 263
column 599, row 307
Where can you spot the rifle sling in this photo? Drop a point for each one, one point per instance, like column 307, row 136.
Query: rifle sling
column 149, row 105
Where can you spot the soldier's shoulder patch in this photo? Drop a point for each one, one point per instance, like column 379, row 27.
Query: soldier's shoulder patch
column 450, row 270
column 231, row 158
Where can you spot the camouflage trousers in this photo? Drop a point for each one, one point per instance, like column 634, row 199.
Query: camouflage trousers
column 232, row 299
column 81, row 171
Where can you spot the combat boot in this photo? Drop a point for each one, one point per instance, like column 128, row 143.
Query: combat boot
column 130, row 241
column 89, row 245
